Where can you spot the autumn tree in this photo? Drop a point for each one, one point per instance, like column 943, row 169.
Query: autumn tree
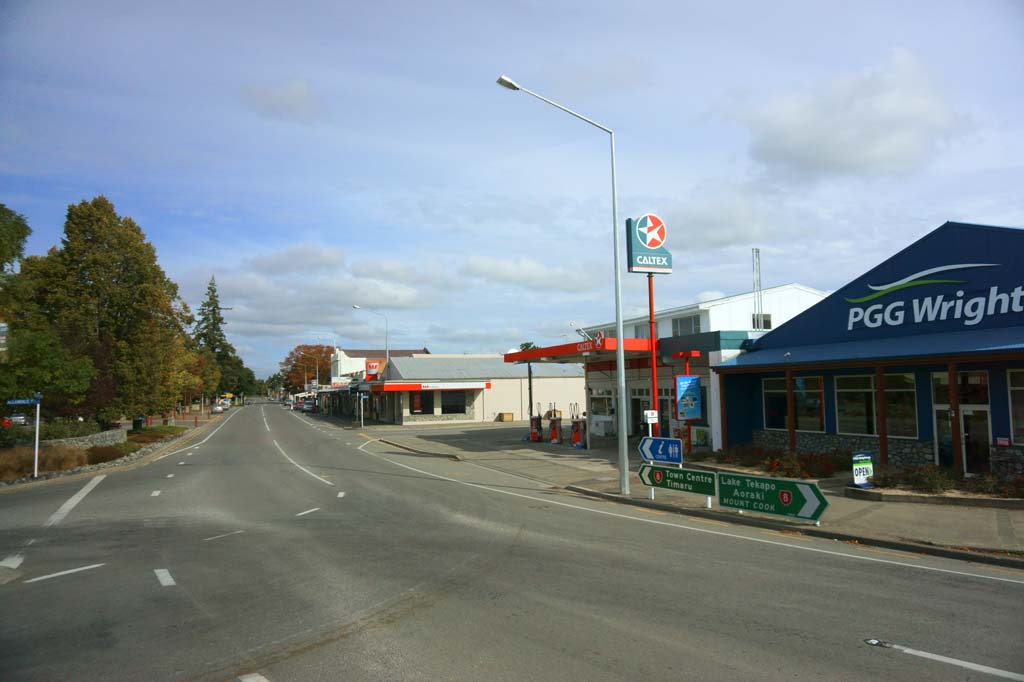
column 302, row 365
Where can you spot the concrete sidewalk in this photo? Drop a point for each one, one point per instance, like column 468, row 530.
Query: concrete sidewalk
column 933, row 528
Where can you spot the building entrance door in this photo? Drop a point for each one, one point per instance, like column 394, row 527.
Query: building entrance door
column 975, row 430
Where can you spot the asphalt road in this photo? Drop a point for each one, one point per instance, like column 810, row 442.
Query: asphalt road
column 285, row 548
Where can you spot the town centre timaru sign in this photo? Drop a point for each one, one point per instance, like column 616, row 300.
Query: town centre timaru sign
column 778, row 496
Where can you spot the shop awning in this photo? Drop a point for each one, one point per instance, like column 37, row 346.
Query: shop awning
column 396, row 387
column 981, row 345
column 585, row 351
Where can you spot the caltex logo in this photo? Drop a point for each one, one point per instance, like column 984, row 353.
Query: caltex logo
column 651, row 231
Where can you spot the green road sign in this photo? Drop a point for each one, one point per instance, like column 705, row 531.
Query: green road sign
column 686, row 480
column 767, row 495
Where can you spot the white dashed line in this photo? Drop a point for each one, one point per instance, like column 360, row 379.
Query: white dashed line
column 341, row 494
column 253, row 677
column 164, row 576
column 170, row 475
column 223, row 535
column 57, row 575
column 308, row 511
column 181, row 463
column 155, row 493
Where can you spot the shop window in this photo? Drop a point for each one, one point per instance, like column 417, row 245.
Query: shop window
column 453, row 402
column 1017, row 406
column 900, row 406
column 421, row 402
column 855, row 405
column 642, row 331
column 774, row 403
column 681, row 326
column 972, row 387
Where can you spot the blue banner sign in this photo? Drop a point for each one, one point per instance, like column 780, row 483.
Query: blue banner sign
column 687, row 397
column 669, row 450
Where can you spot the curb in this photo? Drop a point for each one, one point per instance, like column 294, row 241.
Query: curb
column 977, row 556
column 981, row 502
column 453, row 458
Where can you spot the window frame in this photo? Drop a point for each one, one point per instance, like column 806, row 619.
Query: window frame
column 764, row 404
column 874, row 403
column 465, row 401
column 871, row 392
column 1010, row 388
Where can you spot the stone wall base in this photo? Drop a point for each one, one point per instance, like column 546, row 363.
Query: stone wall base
column 112, row 437
column 903, row 453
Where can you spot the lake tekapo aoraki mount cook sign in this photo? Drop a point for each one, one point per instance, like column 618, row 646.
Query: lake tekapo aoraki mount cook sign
column 645, row 245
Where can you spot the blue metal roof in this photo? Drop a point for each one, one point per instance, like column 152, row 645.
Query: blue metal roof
column 1002, row 339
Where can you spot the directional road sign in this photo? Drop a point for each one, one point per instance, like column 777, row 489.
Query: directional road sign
column 767, row 495
column 687, row 480
column 661, row 450
column 22, row 401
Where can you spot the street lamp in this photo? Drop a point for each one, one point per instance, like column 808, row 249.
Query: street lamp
column 387, row 347
column 620, row 355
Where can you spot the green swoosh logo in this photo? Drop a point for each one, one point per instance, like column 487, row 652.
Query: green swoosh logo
column 914, row 283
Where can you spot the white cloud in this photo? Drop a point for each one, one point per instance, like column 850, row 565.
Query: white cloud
column 293, row 101
column 529, row 274
column 710, row 295
column 887, row 121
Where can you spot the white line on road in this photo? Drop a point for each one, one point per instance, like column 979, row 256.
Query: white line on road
column 155, row 493
column 12, row 561
column 188, row 454
column 212, row 434
column 223, row 535
column 164, row 576
column 281, row 450
column 170, row 475
column 181, row 463
column 681, row 526
column 308, row 511
column 1006, row 674
column 66, row 508
column 341, row 494
column 57, row 575
column 253, row 677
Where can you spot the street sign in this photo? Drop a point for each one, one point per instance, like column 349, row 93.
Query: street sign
column 688, row 397
column 767, row 495
column 668, row 450
column 650, row 416
column 645, row 245
column 686, row 480
column 23, row 401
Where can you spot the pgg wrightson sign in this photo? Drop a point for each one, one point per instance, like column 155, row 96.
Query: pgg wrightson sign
column 956, row 305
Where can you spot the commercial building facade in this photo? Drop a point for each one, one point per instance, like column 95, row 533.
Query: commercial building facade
column 871, row 367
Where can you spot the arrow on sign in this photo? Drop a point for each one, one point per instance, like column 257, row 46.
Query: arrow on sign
column 661, row 450
column 811, row 504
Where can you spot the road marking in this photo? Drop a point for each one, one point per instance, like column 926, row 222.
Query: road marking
column 155, row 493
column 66, row 508
column 181, row 463
column 341, row 494
column 281, row 450
column 31, row 542
column 253, row 677
column 170, row 475
column 223, row 535
column 196, row 446
column 694, row 529
column 265, row 422
column 188, row 454
column 164, row 576
column 57, row 575
column 12, row 561
column 308, row 511
column 1006, row 674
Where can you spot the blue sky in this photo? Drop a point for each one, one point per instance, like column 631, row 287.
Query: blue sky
column 326, row 154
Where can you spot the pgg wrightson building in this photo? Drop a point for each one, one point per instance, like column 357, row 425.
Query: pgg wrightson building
column 871, row 366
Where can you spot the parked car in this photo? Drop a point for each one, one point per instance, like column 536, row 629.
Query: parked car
column 217, row 409
column 19, row 419
column 308, row 406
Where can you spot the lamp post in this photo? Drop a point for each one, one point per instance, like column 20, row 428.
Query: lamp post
column 310, row 355
column 620, row 355
column 387, row 346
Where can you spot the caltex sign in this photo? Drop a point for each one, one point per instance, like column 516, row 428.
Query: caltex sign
column 645, row 244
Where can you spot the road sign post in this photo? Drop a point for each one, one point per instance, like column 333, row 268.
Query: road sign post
column 32, row 401
column 685, row 480
column 766, row 495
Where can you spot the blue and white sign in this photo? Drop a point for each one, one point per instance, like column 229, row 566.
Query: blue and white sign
column 23, row 401
column 687, row 397
column 669, row 450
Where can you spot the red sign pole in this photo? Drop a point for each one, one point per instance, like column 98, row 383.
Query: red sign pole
column 654, row 351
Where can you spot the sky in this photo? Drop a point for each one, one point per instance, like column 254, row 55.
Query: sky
column 316, row 155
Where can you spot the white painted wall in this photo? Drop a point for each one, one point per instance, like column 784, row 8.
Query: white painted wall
column 783, row 304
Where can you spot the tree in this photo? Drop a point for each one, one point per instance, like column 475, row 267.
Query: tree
column 302, row 364
column 527, row 345
column 13, row 233
column 113, row 304
column 209, row 329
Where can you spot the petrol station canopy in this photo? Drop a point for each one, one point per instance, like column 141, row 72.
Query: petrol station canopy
column 589, row 351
